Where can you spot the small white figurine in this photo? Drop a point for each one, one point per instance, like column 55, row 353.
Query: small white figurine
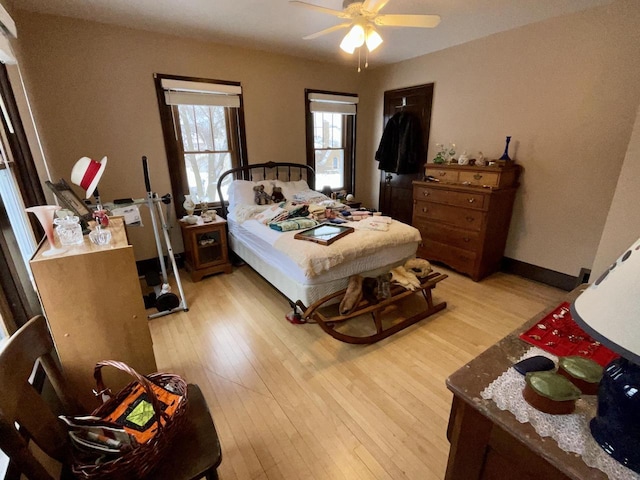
column 463, row 159
column 480, row 159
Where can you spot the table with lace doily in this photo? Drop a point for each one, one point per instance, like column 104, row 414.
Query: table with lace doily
column 488, row 441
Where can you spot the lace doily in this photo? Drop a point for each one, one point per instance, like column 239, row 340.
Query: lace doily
column 571, row 432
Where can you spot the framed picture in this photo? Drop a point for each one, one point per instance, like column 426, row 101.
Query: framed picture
column 69, row 200
column 324, row 234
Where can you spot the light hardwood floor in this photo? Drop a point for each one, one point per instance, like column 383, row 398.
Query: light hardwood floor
column 291, row 402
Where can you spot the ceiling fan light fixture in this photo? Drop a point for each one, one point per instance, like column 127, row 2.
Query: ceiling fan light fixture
column 373, row 40
column 354, row 39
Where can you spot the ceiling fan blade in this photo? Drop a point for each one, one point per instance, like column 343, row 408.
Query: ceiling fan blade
column 374, row 5
column 423, row 21
column 330, row 11
column 326, row 30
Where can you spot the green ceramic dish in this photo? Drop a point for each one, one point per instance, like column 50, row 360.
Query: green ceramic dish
column 582, row 368
column 553, row 386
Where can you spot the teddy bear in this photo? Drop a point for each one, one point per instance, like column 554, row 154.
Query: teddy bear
column 277, row 196
column 260, row 196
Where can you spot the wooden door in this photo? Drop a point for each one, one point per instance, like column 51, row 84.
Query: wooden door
column 396, row 189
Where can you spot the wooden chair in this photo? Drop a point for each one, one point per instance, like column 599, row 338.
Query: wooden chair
column 195, row 452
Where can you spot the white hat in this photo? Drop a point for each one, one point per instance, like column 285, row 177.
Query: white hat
column 86, row 173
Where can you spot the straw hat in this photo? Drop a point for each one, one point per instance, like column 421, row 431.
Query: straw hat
column 86, row 173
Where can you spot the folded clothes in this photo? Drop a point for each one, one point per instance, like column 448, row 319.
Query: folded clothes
column 375, row 223
column 270, row 214
column 293, row 224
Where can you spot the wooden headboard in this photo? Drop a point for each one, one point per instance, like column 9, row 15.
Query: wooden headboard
column 284, row 172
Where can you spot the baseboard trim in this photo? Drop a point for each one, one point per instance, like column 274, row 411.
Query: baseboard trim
column 542, row 275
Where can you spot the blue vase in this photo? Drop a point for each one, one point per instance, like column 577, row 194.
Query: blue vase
column 505, row 155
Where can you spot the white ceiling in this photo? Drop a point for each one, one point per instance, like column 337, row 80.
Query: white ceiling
column 275, row 25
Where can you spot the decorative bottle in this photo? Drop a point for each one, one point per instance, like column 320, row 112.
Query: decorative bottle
column 505, row 155
column 189, row 205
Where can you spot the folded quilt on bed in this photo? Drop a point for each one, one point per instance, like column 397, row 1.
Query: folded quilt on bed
column 293, row 224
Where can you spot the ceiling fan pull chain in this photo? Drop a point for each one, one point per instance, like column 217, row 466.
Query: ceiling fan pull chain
column 359, row 69
column 366, row 58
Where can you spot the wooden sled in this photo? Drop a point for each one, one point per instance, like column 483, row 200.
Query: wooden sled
column 327, row 323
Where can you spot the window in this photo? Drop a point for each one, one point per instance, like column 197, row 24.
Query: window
column 19, row 187
column 331, row 143
column 203, row 126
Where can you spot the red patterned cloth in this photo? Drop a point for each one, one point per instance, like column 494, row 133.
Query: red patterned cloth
column 557, row 333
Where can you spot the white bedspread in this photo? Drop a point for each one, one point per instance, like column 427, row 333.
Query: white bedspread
column 315, row 259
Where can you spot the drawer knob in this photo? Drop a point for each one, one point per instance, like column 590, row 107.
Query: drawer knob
column 471, row 200
column 425, row 210
column 477, row 176
column 426, row 194
column 466, row 239
column 470, row 219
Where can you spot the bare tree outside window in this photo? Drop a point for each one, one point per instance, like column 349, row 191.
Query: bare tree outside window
column 203, row 139
column 329, row 147
column 331, row 144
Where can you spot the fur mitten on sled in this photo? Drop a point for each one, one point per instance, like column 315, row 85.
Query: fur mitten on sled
column 404, row 277
column 352, row 296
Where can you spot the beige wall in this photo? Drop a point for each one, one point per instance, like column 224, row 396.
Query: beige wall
column 92, row 92
column 623, row 222
column 566, row 90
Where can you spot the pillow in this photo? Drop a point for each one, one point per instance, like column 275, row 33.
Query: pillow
column 289, row 189
column 241, row 191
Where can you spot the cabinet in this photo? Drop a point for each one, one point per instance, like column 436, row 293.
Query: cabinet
column 205, row 248
column 93, row 303
column 464, row 217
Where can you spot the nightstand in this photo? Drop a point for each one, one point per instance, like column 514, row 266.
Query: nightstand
column 205, row 248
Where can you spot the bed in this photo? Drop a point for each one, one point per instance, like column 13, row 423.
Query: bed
column 302, row 271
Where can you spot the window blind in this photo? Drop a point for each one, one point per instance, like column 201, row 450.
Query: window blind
column 330, row 103
column 181, row 92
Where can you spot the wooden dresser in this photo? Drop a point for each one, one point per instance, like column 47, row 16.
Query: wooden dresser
column 464, row 216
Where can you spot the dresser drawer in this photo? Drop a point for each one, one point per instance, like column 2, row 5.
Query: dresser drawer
column 456, row 258
column 459, row 199
column 490, row 179
column 456, row 216
column 456, row 237
column 447, row 176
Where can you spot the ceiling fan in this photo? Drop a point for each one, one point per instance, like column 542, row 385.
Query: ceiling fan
column 363, row 17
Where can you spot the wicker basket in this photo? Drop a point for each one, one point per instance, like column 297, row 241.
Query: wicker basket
column 141, row 460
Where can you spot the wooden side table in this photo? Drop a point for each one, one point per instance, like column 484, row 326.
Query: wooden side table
column 205, row 248
column 489, row 443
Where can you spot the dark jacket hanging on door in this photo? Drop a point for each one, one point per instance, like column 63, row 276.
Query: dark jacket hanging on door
column 400, row 149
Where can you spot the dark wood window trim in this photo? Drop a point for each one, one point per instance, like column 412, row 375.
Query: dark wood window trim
column 171, row 134
column 17, row 297
column 25, row 168
column 349, row 129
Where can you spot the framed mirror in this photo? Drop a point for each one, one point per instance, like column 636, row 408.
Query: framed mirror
column 324, row 234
